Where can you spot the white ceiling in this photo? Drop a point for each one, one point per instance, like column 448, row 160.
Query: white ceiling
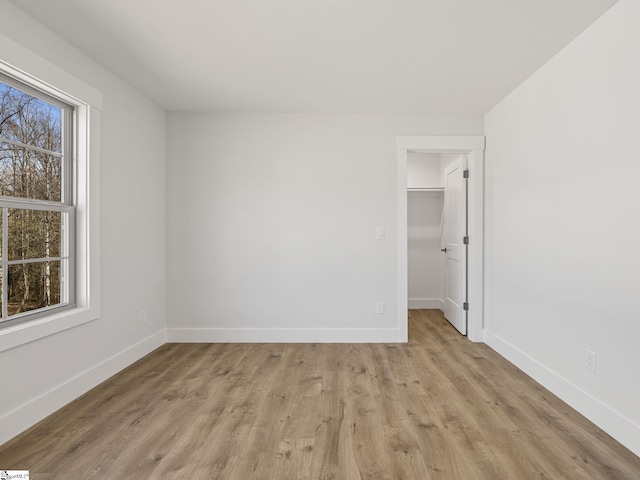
column 347, row 56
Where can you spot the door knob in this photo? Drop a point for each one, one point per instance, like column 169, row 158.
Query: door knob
column 443, row 249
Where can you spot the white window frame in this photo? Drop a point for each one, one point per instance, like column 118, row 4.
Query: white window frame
column 30, row 69
column 65, row 206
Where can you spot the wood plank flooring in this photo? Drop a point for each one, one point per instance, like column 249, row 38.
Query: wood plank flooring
column 439, row 407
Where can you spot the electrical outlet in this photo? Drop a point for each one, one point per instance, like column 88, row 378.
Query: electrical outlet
column 380, row 308
column 143, row 317
column 590, row 361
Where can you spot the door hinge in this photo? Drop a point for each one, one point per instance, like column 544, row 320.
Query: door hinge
column 465, row 306
column 465, row 174
column 465, row 240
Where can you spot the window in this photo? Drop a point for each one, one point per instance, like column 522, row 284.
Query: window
column 50, row 231
column 36, row 203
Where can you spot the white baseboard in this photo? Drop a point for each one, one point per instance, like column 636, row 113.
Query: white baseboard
column 619, row 427
column 426, row 303
column 30, row 413
column 284, row 335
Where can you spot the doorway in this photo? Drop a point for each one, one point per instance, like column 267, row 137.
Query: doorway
column 472, row 148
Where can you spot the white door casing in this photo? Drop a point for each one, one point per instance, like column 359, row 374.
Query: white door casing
column 473, row 147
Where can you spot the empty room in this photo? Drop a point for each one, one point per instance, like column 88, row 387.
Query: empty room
column 319, row 240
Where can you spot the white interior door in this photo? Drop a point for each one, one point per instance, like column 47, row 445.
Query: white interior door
column 455, row 205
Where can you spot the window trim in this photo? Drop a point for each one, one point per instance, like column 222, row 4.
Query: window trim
column 87, row 102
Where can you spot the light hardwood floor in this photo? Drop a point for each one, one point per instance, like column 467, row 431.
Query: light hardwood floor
column 439, row 407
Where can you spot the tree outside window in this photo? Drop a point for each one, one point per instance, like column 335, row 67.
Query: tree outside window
column 35, row 200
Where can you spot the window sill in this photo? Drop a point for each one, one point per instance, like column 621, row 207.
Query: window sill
column 22, row 333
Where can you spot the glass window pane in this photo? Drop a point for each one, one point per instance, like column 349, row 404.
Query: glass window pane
column 32, row 286
column 30, row 120
column 35, row 167
column 33, row 234
column 27, row 173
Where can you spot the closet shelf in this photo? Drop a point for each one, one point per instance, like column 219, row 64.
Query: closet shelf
column 425, row 189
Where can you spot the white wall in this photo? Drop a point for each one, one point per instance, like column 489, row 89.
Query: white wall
column 425, row 260
column 423, row 170
column 272, row 224
column 562, row 203
column 41, row 376
column 424, row 217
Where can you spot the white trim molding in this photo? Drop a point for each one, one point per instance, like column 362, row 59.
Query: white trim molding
column 18, row 420
column 440, row 144
column 426, row 303
column 24, row 65
column 473, row 147
column 615, row 424
column 283, row 335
